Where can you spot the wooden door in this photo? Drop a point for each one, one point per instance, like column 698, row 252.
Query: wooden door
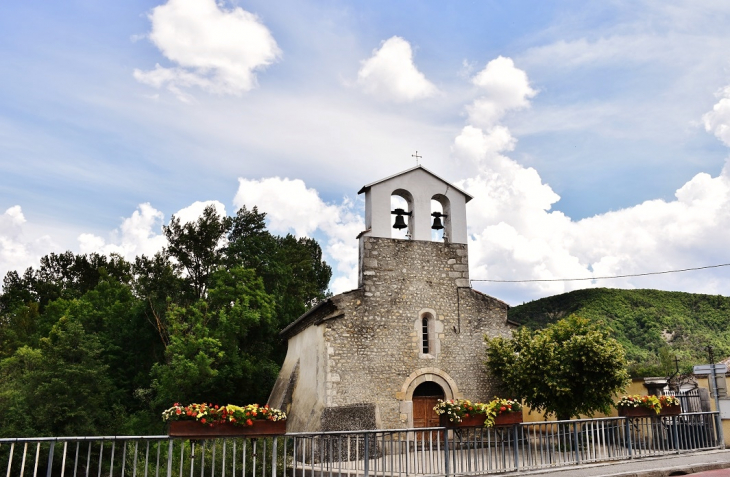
column 423, row 413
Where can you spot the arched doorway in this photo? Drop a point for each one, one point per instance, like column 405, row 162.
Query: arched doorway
column 425, row 397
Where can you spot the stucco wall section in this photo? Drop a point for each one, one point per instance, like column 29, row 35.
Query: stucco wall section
column 301, row 386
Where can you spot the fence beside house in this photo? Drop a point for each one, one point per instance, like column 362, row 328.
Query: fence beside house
column 689, row 400
column 404, row 452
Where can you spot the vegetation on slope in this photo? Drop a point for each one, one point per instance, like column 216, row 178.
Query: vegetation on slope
column 655, row 327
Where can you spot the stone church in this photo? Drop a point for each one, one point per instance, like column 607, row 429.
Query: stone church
column 380, row 356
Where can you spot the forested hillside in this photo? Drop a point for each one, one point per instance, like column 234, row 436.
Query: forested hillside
column 654, row 326
column 97, row 345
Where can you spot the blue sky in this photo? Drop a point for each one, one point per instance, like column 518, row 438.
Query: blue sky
column 574, row 125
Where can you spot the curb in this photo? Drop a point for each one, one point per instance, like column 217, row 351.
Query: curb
column 677, row 470
column 659, row 471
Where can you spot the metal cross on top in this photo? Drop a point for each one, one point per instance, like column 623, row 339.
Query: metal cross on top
column 416, row 156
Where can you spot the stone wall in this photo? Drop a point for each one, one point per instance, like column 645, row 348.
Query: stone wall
column 374, row 349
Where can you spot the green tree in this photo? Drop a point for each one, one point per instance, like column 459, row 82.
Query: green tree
column 198, row 321
column 18, row 328
column 197, row 247
column 219, row 349
column 61, row 389
column 292, row 268
column 18, row 420
column 572, row 367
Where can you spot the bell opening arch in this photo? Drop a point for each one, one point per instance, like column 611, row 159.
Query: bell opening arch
column 445, row 219
column 401, row 199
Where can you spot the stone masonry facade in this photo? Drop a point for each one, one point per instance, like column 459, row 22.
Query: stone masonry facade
column 372, row 336
column 377, row 349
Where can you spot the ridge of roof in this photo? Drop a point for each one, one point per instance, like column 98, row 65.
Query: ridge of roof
column 312, row 310
column 367, row 187
column 490, row 296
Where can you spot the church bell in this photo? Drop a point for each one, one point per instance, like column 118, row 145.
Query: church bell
column 400, row 222
column 437, row 225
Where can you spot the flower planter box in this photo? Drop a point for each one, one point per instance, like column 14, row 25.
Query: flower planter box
column 508, row 418
column 196, row 430
column 476, row 420
column 646, row 412
column 675, row 410
column 636, row 412
column 504, row 419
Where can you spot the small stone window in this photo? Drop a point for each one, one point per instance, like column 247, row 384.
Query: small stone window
column 428, row 332
column 424, row 333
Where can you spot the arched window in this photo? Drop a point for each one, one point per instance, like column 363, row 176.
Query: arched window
column 424, row 335
column 428, row 332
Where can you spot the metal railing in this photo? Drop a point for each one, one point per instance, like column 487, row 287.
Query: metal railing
column 402, row 452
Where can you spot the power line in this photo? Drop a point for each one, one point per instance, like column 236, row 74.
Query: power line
column 603, row 278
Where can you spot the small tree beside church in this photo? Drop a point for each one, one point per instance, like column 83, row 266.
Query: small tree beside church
column 569, row 368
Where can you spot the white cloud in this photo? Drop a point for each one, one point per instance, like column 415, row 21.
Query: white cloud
column 192, row 212
column 17, row 250
column 215, row 49
column 505, row 88
column 291, row 206
column 139, row 234
column 391, row 74
column 717, row 121
column 515, row 235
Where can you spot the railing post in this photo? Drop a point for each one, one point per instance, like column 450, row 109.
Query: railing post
column 628, row 436
column 515, row 443
column 719, row 433
column 10, row 459
column 675, row 433
column 274, row 442
column 294, row 458
column 366, row 457
column 169, row 459
column 575, row 441
column 50, row 459
column 446, row 451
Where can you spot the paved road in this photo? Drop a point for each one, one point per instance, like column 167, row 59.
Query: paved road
column 648, row 467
